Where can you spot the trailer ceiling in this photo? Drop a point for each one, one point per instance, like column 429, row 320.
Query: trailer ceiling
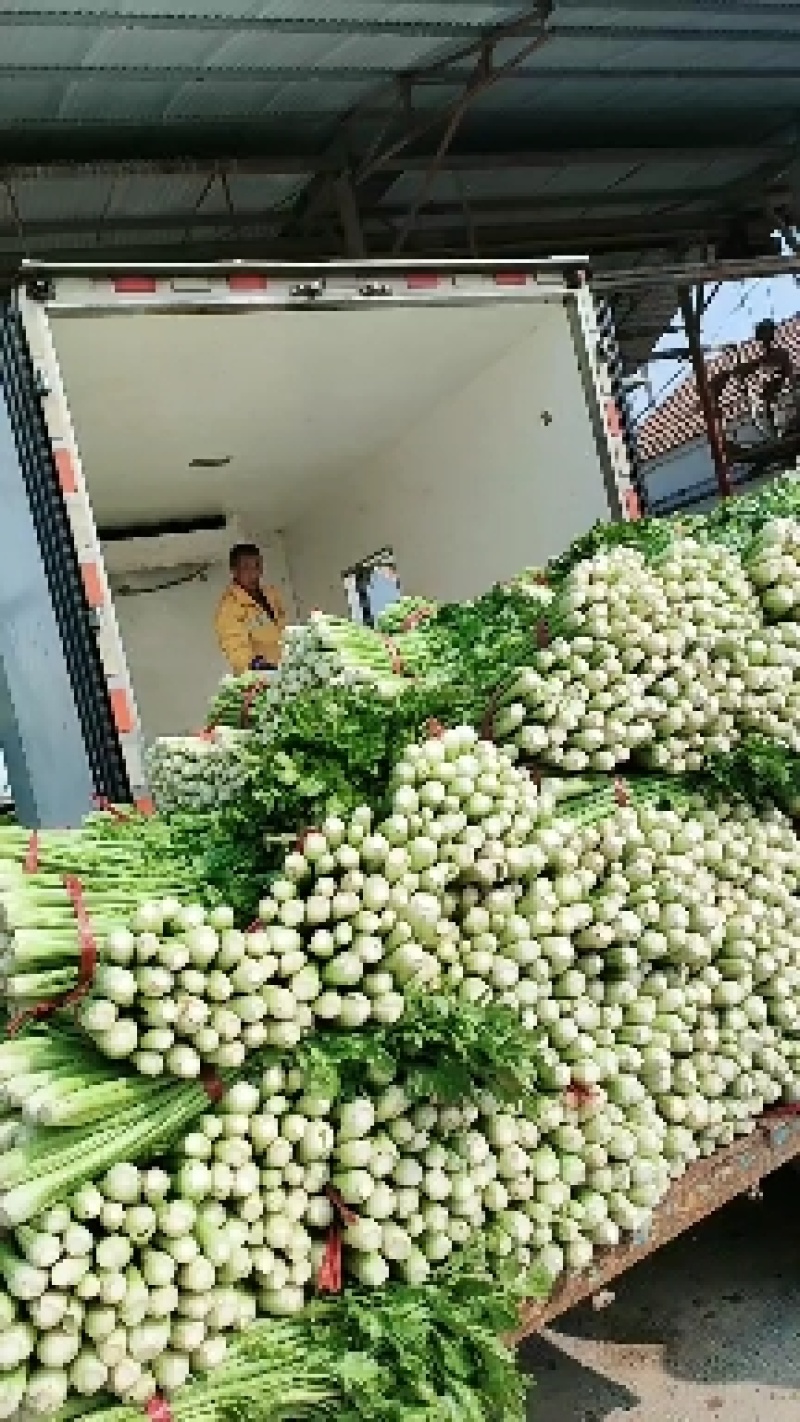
column 641, row 132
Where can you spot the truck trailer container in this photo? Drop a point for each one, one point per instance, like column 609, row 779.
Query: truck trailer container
column 460, row 422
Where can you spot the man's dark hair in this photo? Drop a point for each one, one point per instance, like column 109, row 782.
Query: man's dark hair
column 240, row 551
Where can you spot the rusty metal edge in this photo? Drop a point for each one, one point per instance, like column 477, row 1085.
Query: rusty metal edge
column 705, row 1187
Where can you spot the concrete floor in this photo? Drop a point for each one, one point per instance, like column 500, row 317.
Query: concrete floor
column 707, row 1328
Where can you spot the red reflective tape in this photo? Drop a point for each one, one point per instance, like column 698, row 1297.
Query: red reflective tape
column 65, row 469
column 158, row 1410
column 510, row 278
column 633, row 505
column 247, row 281
column 93, row 585
column 422, row 281
column 213, row 1086
column 86, row 969
column 134, row 285
column 31, row 861
column 614, row 419
column 123, row 712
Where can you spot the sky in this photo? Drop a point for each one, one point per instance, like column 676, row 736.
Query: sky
column 730, row 317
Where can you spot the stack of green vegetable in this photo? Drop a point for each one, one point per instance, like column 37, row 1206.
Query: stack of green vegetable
column 467, row 646
column 482, row 1021
column 650, row 949
column 235, row 699
column 328, row 651
column 197, row 772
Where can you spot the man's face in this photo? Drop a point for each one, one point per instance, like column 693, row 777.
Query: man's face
column 248, row 572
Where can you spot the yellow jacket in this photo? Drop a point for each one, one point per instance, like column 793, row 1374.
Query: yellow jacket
column 245, row 631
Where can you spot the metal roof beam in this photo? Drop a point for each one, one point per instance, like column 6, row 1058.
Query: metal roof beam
column 503, row 242
column 529, row 210
column 627, row 279
column 665, row 33
column 450, row 77
column 524, row 223
column 94, row 17
column 370, row 169
column 490, row 160
column 749, row 9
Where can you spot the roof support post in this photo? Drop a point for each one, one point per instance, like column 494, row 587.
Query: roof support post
column 349, row 216
column 691, row 313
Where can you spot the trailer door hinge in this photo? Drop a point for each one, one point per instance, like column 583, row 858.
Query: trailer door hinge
column 41, row 384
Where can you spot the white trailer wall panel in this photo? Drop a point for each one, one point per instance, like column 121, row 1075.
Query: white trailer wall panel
column 501, row 476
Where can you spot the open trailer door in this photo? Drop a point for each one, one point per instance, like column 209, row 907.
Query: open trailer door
column 58, row 734
column 469, row 412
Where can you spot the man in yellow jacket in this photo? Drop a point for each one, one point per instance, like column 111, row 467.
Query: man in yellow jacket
column 251, row 619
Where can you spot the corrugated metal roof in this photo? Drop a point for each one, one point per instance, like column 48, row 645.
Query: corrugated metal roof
column 612, row 128
column 679, row 420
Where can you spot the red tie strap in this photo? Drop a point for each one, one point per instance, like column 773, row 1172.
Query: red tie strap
column 158, row 1410
column 487, row 724
column 414, row 618
column 31, row 861
column 348, row 1216
column 213, row 1086
column 103, row 803
column 249, row 697
column 535, row 772
column 330, row 1276
column 300, row 845
column 578, row 1095
column 397, row 661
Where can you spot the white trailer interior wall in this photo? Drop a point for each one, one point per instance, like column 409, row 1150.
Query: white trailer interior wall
column 499, row 475
column 462, row 419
